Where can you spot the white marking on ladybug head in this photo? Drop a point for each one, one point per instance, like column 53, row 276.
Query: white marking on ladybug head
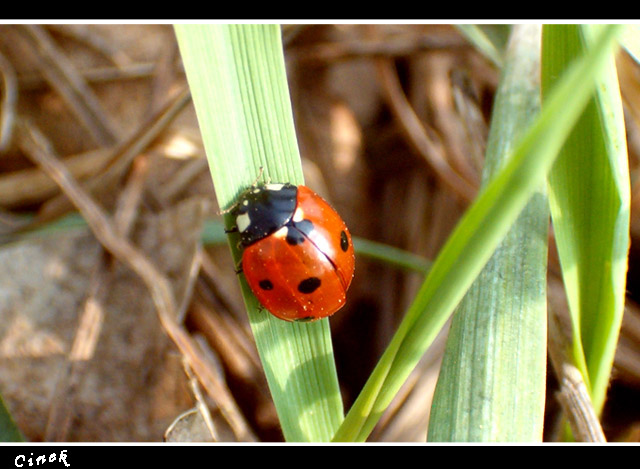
column 298, row 215
column 274, row 187
column 282, row 232
column 242, row 222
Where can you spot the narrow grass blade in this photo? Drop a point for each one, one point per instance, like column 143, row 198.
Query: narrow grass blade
column 9, row 431
column 490, row 39
column 238, row 80
column 492, row 381
column 391, row 255
column 475, row 238
column 589, row 199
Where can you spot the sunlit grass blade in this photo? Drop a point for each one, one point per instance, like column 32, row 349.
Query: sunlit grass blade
column 630, row 40
column 589, row 200
column 475, row 238
column 490, row 39
column 492, row 382
column 238, row 81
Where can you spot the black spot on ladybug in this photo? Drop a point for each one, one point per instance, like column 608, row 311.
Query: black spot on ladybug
column 298, row 231
column 266, row 284
column 294, row 237
column 305, row 226
column 309, row 285
column 344, row 241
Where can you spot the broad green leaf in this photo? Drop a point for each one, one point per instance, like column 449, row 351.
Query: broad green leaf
column 238, row 81
column 589, row 200
column 493, row 377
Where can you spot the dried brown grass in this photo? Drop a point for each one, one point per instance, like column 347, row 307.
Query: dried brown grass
column 392, row 122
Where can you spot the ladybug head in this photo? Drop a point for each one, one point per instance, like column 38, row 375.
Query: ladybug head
column 263, row 210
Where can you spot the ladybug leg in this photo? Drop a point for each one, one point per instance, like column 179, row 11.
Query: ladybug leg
column 266, row 180
column 231, row 230
column 306, row 319
column 239, row 268
column 253, row 185
column 227, row 210
column 260, row 174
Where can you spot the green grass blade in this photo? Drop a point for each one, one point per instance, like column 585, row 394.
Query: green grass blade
column 490, row 39
column 391, row 255
column 493, row 377
column 589, row 199
column 238, row 81
column 9, row 431
column 213, row 234
column 475, row 238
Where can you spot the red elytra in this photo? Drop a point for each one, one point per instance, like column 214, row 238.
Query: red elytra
column 300, row 265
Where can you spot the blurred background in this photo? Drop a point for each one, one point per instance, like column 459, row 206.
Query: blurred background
column 392, row 122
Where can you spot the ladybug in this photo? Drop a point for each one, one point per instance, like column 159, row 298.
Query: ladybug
column 297, row 253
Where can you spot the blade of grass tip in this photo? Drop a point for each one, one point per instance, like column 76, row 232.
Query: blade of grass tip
column 9, row 431
column 491, row 45
column 238, row 80
column 589, row 197
column 491, row 385
column 475, row 238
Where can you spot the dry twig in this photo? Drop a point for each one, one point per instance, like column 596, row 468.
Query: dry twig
column 84, row 34
column 415, row 131
column 63, row 76
column 35, row 146
column 123, row 154
column 9, row 96
column 92, row 316
column 35, row 81
column 385, row 47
